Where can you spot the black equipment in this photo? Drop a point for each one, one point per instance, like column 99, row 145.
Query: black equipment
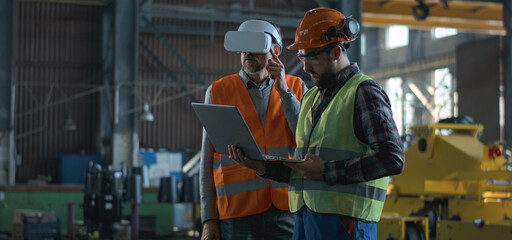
column 103, row 197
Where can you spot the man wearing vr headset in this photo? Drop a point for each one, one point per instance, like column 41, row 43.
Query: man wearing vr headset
column 345, row 134
column 235, row 202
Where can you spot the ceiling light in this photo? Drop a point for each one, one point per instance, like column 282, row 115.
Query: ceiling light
column 69, row 124
column 146, row 114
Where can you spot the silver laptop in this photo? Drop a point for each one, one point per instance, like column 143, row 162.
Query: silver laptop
column 226, row 126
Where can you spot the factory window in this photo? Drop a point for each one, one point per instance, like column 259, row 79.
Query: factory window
column 402, row 104
column 443, row 94
column 444, row 32
column 394, row 91
column 363, row 44
column 397, row 36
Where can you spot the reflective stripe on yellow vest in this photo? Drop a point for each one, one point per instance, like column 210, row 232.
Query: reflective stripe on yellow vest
column 333, row 138
column 240, row 191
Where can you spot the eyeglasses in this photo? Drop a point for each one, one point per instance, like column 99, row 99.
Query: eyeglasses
column 313, row 57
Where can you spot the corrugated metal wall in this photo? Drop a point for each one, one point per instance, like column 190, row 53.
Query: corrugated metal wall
column 59, row 68
column 58, row 57
column 175, row 126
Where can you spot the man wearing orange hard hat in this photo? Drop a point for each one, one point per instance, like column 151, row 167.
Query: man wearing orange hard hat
column 345, row 135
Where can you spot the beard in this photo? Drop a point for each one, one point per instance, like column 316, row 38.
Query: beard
column 324, row 80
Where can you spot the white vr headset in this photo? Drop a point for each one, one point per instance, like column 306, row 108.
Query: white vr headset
column 254, row 36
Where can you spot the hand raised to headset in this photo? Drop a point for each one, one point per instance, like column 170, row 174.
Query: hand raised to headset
column 275, row 70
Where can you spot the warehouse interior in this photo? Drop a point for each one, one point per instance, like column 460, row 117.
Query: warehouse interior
column 96, row 97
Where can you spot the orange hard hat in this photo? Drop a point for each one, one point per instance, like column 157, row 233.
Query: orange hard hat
column 322, row 26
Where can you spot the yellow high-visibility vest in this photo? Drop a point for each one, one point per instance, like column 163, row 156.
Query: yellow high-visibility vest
column 333, row 138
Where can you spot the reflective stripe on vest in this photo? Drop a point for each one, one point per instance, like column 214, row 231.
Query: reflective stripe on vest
column 333, row 138
column 240, row 187
column 240, row 191
column 279, row 185
column 357, row 189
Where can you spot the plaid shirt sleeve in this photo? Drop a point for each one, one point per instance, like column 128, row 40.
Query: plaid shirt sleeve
column 374, row 125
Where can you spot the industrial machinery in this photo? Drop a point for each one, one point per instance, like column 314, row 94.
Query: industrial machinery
column 105, row 190
column 103, row 194
column 460, row 185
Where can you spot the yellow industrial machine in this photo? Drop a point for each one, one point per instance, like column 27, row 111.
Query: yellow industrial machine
column 462, row 186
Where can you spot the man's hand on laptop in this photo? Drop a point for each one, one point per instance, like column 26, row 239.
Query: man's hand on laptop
column 312, row 167
column 237, row 155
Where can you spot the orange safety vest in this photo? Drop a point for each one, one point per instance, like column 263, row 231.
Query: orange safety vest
column 240, row 191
